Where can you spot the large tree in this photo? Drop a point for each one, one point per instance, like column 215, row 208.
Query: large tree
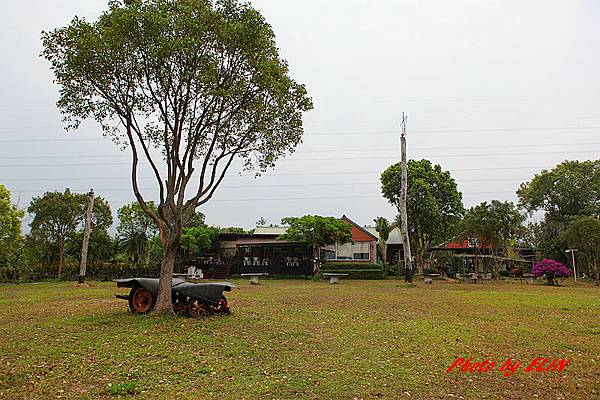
column 200, row 82
column 57, row 215
column 10, row 230
column 101, row 246
column 570, row 189
column 316, row 231
column 434, row 203
column 583, row 233
column 498, row 224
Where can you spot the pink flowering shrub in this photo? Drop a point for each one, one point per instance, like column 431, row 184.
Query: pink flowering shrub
column 551, row 269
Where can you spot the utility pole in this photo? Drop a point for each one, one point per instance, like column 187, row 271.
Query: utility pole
column 573, row 251
column 408, row 273
column 86, row 236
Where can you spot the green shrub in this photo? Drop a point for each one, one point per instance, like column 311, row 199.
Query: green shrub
column 350, row 265
column 372, row 273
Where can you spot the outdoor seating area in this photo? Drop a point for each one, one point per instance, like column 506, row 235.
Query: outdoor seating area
column 192, row 273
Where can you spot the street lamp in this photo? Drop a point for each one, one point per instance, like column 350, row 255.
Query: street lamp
column 573, row 251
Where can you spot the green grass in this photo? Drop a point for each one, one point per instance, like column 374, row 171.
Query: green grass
column 300, row 339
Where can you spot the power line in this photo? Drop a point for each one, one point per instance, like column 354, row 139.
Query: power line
column 300, row 185
column 460, row 100
column 394, row 100
column 314, row 159
column 258, row 185
column 360, row 150
column 333, row 197
column 383, row 132
column 350, row 173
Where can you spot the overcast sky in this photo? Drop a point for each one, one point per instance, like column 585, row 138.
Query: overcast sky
column 495, row 91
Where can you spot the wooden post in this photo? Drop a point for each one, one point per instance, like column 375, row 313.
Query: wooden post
column 86, row 237
column 408, row 273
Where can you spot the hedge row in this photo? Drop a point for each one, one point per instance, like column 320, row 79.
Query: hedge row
column 350, row 265
column 371, row 273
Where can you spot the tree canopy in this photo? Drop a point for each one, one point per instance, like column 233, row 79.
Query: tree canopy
column 188, row 85
column 10, row 223
column 434, row 204
column 198, row 240
column 135, row 229
column 583, row 233
column 56, row 215
column 497, row 223
column 316, row 231
column 569, row 189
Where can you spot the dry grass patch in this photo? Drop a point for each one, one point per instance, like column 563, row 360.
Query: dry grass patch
column 300, row 339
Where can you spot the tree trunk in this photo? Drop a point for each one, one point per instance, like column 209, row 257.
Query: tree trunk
column 420, row 257
column 383, row 248
column 61, row 252
column 597, row 274
column 497, row 269
column 316, row 261
column 170, row 242
column 408, row 273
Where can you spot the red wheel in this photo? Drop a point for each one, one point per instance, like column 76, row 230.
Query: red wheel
column 222, row 307
column 141, row 300
column 179, row 303
column 196, row 309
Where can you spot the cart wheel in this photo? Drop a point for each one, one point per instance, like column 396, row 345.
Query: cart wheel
column 141, row 300
column 180, row 303
column 196, row 309
column 222, row 307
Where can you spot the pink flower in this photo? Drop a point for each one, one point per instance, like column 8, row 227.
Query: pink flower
column 550, row 268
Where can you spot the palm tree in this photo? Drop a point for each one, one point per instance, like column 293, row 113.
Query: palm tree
column 383, row 228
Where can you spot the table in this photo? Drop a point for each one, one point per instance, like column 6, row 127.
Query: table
column 255, row 276
column 334, row 278
column 428, row 278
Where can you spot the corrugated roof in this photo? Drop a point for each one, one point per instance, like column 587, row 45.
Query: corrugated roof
column 270, row 230
column 394, row 235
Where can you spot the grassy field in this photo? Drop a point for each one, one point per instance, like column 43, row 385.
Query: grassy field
column 301, row 339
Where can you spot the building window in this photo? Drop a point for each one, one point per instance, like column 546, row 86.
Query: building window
column 328, row 252
column 344, row 251
column 361, row 250
column 347, row 251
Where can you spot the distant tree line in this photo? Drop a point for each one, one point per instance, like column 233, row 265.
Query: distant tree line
column 557, row 210
column 52, row 248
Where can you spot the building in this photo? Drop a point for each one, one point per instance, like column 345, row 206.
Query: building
column 394, row 245
column 263, row 251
